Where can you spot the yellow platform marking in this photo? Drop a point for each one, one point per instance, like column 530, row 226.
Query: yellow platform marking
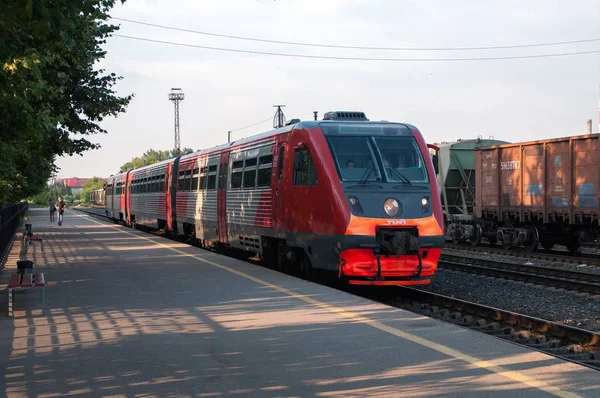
column 451, row 352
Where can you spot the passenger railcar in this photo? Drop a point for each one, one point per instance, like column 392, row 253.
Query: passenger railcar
column 344, row 194
column 97, row 197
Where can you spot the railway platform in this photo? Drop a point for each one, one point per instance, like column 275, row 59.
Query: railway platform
column 128, row 314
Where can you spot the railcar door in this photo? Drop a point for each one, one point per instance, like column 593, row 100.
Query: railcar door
column 222, row 197
column 113, row 190
column 278, row 194
column 127, row 198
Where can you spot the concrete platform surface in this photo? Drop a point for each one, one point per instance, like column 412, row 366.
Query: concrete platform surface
column 132, row 314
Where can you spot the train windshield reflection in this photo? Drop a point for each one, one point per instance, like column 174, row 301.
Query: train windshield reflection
column 355, row 157
column 365, row 159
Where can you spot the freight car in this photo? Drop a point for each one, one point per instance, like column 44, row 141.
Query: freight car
column 538, row 192
column 456, row 183
column 541, row 191
column 343, row 194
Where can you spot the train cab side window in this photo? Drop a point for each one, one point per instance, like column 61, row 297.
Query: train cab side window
column 304, row 168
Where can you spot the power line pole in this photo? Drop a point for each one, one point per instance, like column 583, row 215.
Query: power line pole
column 177, row 96
column 279, row 119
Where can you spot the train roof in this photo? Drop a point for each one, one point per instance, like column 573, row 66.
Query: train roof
column 269, row 133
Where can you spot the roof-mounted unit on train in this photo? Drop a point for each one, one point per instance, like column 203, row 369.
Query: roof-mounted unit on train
column 345, row 115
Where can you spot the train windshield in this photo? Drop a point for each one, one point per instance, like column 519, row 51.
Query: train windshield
column 378, row 157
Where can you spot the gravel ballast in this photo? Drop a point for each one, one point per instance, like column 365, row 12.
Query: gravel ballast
column 570, row 308
column 591, row 269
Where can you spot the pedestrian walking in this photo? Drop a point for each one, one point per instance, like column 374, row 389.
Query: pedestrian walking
column 51, row 209
column 61, row 209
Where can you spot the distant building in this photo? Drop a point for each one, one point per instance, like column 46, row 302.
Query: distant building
column 74, row 183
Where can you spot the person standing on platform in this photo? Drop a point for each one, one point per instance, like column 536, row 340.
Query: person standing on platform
column 52, row 209
column 61, row 209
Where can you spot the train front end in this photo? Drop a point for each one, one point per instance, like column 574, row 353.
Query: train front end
column 395, row 231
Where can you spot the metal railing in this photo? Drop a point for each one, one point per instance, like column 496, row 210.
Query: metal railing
column 10, row 218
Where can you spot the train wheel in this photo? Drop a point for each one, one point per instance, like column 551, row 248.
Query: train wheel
column 532, row 245
column 475, row 239
column 574, row 247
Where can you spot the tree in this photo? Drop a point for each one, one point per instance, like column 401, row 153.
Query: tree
column 151, row 156
column 90, row 185
column 51, row 97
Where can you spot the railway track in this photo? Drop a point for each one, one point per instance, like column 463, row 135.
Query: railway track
column 554, row 255
column 582, row 282
column 561, row 341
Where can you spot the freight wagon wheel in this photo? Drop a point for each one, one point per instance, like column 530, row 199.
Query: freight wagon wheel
column 532, row 245
column 574, row 246
column 475, row 239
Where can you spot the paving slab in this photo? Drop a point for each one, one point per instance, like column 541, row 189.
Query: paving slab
column 129, row 313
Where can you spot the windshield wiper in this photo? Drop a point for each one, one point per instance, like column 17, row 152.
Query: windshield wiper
column 365, row 175
column 399, row 175
column 364, row 185
column 404, row 185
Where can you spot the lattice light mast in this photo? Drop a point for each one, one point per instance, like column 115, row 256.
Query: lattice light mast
column 177, row 96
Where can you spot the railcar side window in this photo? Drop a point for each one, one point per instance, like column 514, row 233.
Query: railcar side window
column 265, row 165
column 236, row 174
column 181, row 183
column 250, row 173
column 195, row 178
column 188, row 180
column 304, row 168
column 212, row 177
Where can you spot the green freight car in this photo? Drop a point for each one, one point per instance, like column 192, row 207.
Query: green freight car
column 456, row 182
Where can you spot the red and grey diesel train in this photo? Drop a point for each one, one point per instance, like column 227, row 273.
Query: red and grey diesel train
column 344, row 194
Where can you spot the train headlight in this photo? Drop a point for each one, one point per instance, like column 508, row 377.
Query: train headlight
column 355, row 203
column 425, row 204
column 391, row 207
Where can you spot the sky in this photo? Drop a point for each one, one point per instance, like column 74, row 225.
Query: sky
column 509, row 99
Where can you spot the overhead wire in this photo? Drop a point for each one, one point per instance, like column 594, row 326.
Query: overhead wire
column 252, row 125
column 359, row 58
column 357, row 47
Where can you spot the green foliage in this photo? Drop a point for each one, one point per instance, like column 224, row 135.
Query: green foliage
column 51, row 97
column 40, row 199
column 90, row 185
column 151, row 156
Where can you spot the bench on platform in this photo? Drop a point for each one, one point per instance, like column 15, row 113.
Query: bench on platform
column 21, row 282
column 29, row 239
